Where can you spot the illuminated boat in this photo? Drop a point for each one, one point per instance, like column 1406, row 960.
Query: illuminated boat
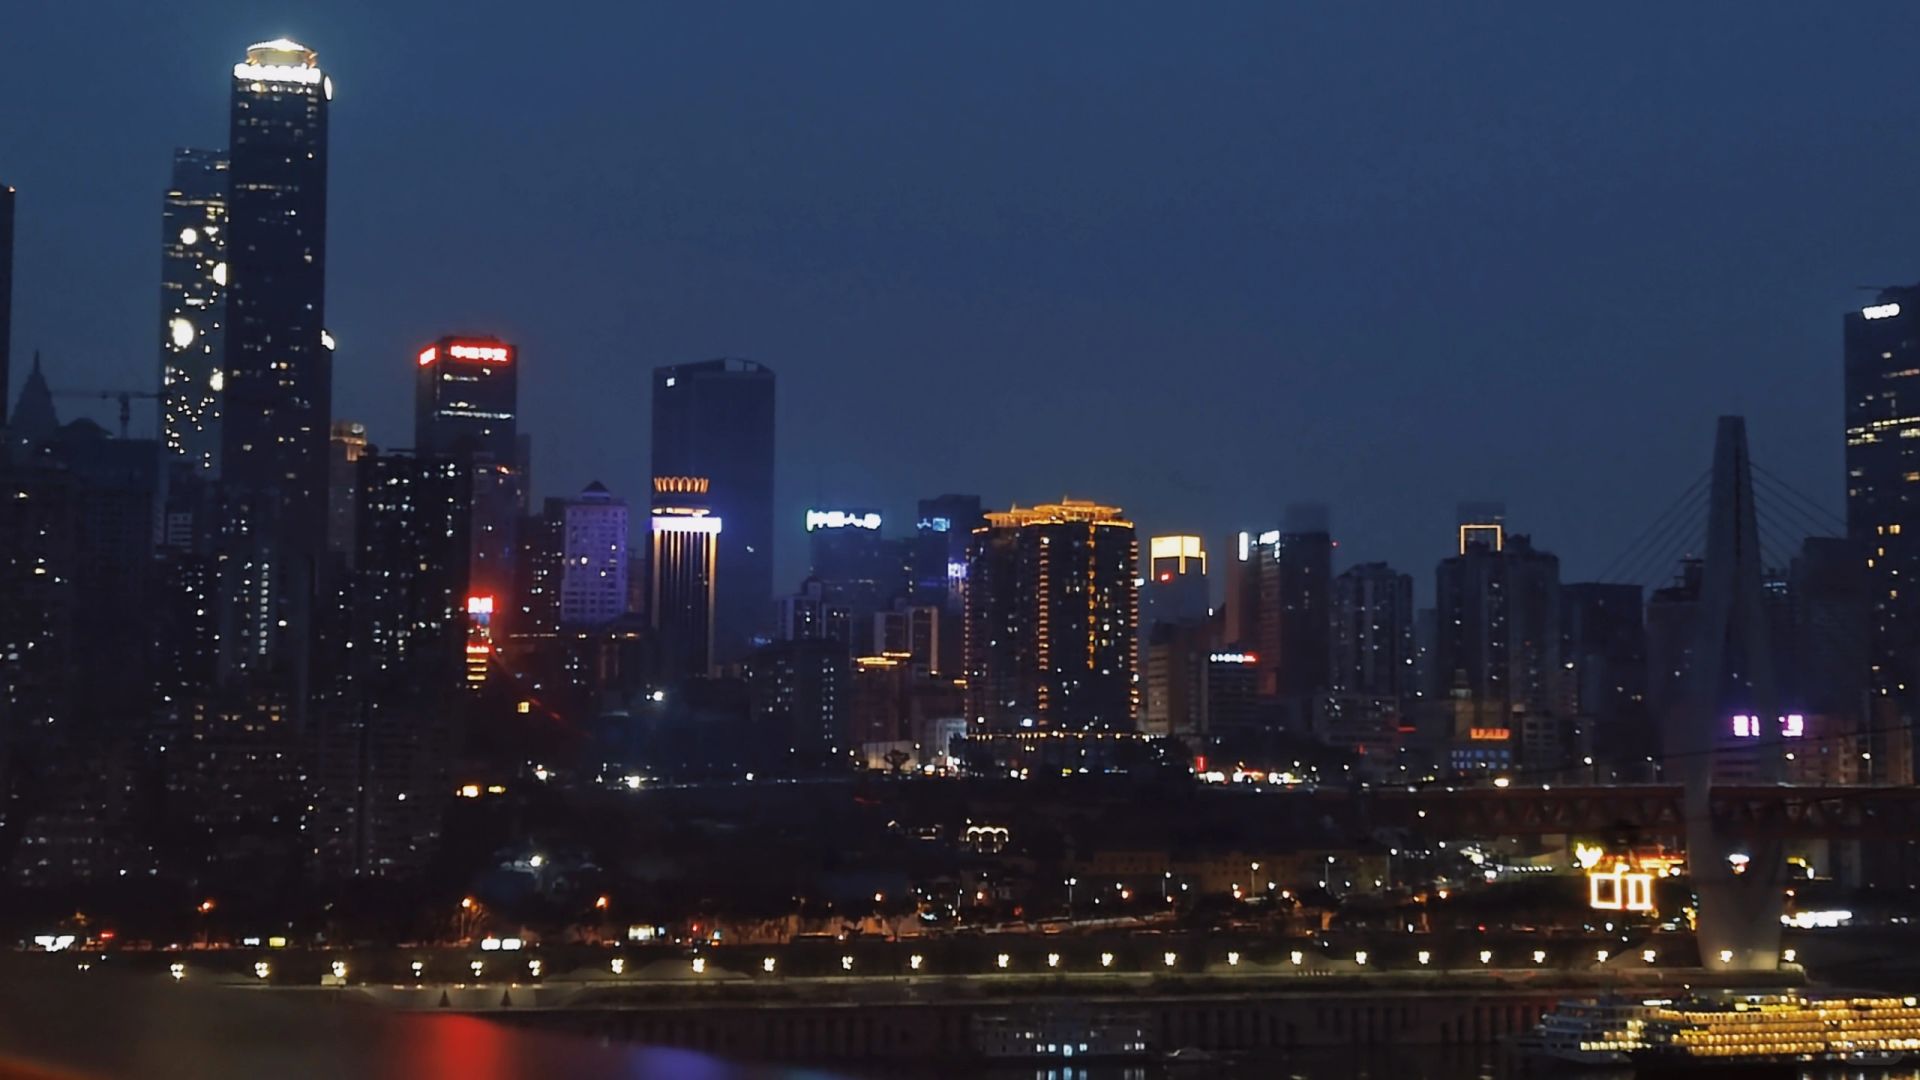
column 1592, row 1031
column 1744, row 1030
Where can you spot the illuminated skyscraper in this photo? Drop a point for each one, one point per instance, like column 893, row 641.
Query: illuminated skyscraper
column 681, row 568
column 593, row 583
column 940, row 550
column 465, row 398
column 860, row 571
column 193, row 308
column 1052, row 612
column 1176, row 588
column 279, row 365
column 715, row 419
column 1882, row 345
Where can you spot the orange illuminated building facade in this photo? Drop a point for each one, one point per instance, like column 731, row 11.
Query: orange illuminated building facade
column 1052, row 619
column 683, row 563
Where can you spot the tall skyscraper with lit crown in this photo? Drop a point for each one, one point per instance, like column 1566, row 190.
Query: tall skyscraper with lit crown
column 715, row 419
column 279, row 366
column 681, row 566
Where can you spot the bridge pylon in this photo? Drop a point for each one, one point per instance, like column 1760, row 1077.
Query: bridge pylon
column 1738, row 916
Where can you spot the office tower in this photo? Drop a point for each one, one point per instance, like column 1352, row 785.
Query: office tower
column 684, row 552
column 1373, row 617
column 6, row 306
column 939, row 567
column 465, row 399
column 1176, row 589
column 1281, row 587
column 941, row 535
column 193, row 308
column 346, row 442
column 857, row 567
column 1498, row 649
column 1052, row 619
column 278, row 384
column 715, row 419
column 593, row 586
column 464, row 406
column 1882, row 352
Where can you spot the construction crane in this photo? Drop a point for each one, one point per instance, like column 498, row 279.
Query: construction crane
column 124, row 397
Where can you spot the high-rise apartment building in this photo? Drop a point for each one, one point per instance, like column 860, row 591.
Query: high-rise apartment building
column 715, row 419
column 410, row 569
column 1499, row 627
column 278, row 381
column 1882, row 365
column 682, row 560
column 193, row 308
column 1373, row 647
column 593, row 584
column 1052, row 619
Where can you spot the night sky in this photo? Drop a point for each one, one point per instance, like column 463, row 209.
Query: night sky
column 1198, row 260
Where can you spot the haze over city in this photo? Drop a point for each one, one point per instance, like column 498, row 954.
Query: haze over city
column 1202, row 264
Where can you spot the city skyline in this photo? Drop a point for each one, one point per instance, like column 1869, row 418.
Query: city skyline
column 1684, row 349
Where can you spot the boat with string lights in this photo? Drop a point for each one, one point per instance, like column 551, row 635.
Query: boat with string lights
column 1706, row 1032
column 1788, row 1029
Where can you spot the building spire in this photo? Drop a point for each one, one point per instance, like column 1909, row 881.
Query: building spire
column 34, row 421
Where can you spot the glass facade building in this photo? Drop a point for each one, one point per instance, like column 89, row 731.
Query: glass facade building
column 714, row 419
column 279, row 368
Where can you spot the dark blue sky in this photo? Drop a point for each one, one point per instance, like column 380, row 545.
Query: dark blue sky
column 1199, row 260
